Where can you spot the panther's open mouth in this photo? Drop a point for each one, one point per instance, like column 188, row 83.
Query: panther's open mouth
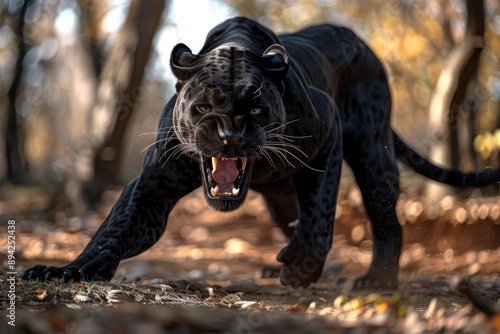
column 227, row 174
column 226, row 178
column 226, row 181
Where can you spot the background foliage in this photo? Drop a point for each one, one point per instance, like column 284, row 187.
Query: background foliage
column 79, row 99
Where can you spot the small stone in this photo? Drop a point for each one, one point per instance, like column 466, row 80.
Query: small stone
column 306, row 301
column 196, row 286
column 181, row 284
column 231, row 299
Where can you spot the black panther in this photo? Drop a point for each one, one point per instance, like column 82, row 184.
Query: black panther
column 276, row 114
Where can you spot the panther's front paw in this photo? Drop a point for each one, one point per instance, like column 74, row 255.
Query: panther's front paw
column 85, row 268
column 300, row 268
column 43, row 273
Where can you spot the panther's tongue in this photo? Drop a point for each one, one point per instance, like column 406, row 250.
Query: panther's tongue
column 225, row 173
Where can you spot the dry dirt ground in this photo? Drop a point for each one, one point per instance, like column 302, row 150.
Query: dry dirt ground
column 205, row 274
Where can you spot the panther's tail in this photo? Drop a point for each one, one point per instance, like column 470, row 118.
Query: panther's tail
column 447, row 176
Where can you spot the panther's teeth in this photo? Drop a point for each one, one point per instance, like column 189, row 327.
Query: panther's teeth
column 214, row 162
column 243, row 163
column 215, row 192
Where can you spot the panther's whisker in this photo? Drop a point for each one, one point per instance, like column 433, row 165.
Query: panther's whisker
column 283, row 125
column 298, row 159
column 152, row 144
column 277, row 135
column 152, row 133
column 177, row 151
column 167, row 139
column 172, row 150
column 165, row 153
column 296, row 137
column 181, row 149
column 258, row 156
column 273, row 123
column 280, row 138
column 170, row 128
column 281, row 156
column 268, row 158
column 285, row 145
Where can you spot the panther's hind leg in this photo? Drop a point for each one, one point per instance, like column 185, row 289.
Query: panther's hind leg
column 377, row 175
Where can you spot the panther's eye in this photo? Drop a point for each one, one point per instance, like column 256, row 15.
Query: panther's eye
column 204, row 109
column 255, row 111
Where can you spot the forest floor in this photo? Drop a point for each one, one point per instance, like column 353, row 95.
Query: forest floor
column 205, row 274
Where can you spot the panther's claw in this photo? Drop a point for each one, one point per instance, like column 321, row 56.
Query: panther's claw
column 34, row 272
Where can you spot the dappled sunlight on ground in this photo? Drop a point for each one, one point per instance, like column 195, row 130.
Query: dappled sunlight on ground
column 439, row 240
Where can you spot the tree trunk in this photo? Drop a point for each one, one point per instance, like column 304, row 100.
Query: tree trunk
column 92, row 13
column 118, row 92
column 448, row 104
column 17, row 166
column 467, row 78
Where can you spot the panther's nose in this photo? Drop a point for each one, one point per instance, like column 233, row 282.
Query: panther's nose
column 231, row 134
column 231, row 140
column 231, row 144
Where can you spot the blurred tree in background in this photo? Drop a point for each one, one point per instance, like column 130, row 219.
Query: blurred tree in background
column 75, row 92
column 17, row 166
column 80, row 80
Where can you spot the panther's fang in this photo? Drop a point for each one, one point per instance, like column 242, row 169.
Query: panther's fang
column 214, row 162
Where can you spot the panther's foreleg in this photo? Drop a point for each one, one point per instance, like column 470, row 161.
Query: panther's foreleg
column 136, row 222
column 139, row 217
column 304, row 258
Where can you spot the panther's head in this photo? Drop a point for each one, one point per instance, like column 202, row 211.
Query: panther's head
column 228, row 104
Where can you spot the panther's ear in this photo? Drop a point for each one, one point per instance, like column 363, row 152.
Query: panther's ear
column 275, row 62
column 182, row 61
